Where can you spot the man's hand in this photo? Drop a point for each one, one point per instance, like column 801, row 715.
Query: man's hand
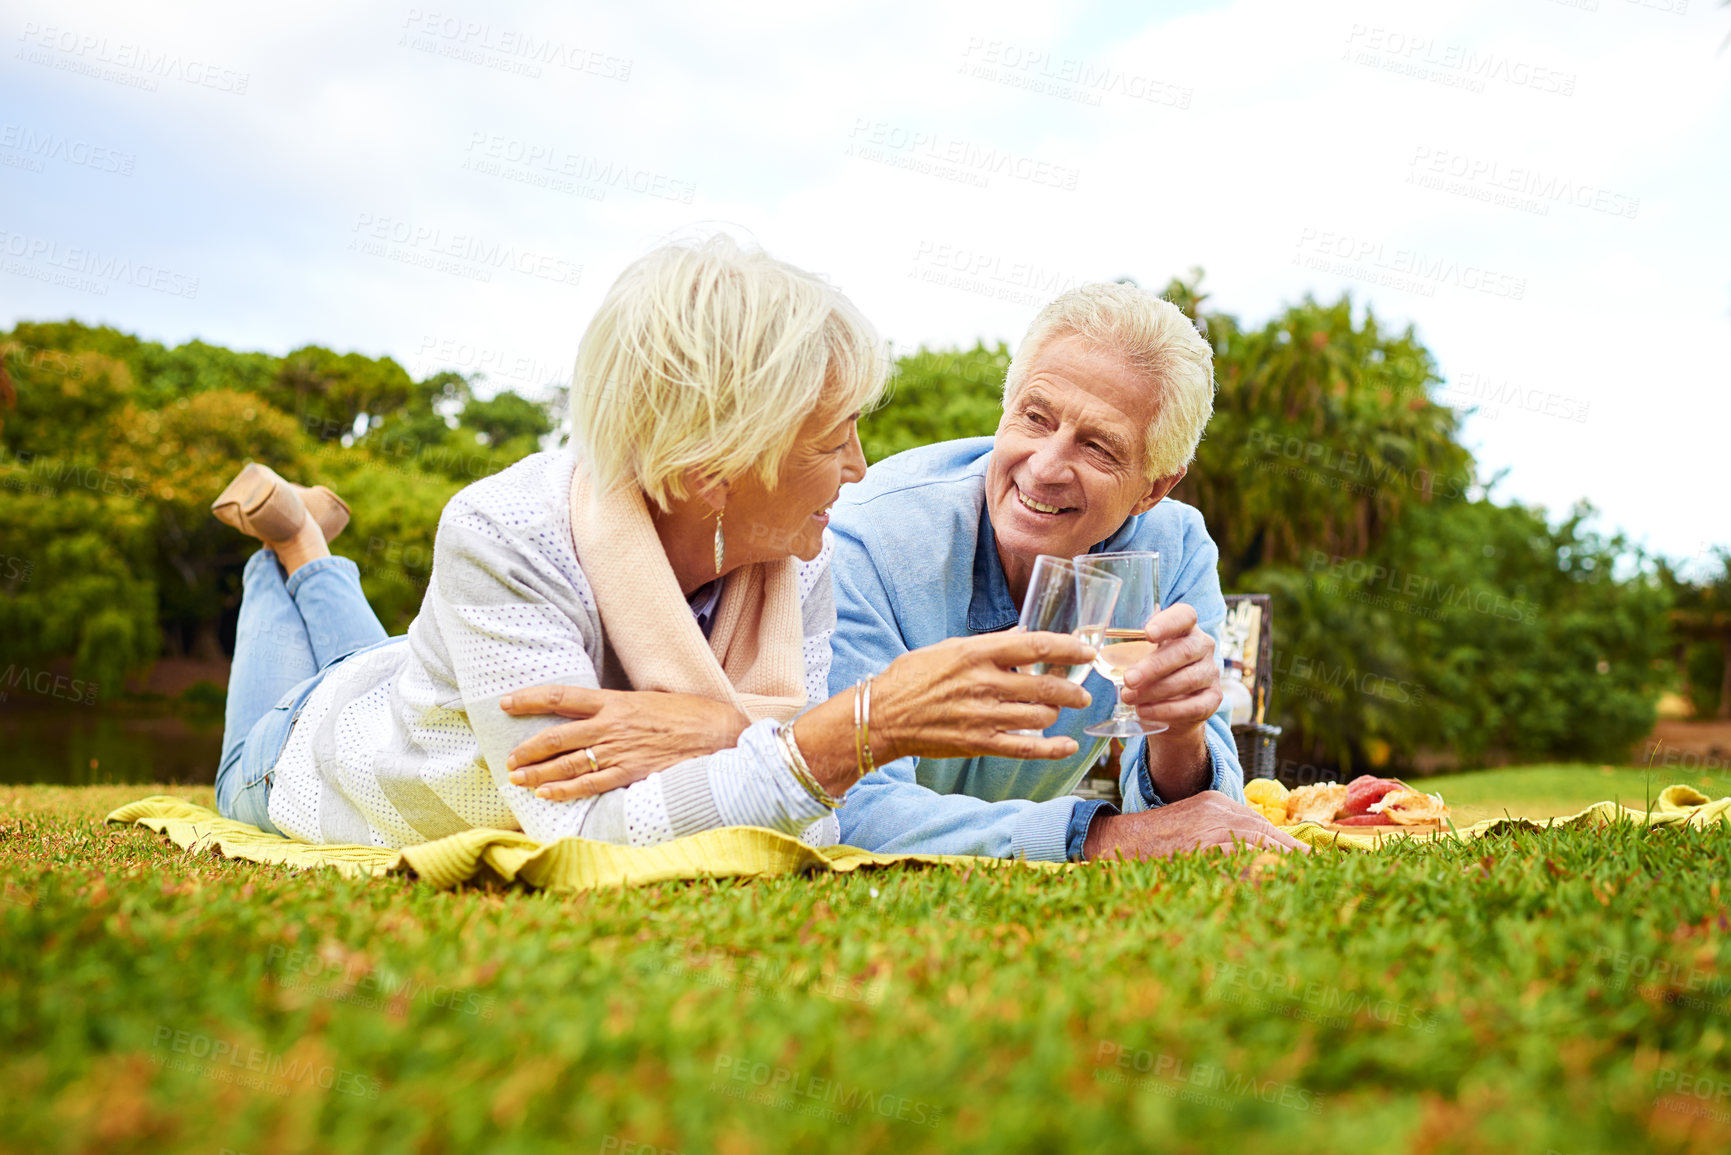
column 1178, row 683
column 1201, row 822
column 632, row 733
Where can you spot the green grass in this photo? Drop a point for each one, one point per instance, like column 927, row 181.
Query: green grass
column 1493, row 997
column 1558, row 789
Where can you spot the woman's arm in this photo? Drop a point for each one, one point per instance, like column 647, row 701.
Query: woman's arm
column 635, row 733
column 513, row 613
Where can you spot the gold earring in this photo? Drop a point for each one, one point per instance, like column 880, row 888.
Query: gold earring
column 720, row 543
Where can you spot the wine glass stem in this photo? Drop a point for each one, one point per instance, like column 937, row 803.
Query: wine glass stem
column 1122, row 711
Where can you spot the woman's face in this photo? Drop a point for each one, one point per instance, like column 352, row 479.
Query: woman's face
column 769, row 523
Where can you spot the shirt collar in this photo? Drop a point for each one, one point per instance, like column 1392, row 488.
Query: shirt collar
column 990, row 608
column 703, row 601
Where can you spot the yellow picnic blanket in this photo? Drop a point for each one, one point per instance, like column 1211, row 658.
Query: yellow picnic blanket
column 567, row 865
column 577, row 864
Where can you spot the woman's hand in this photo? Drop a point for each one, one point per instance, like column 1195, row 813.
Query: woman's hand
column 963, row 697
column 632, row 733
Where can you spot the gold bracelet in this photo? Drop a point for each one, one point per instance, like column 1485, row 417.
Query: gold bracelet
column 863, row 736
column 858, row 756
column 801, row 770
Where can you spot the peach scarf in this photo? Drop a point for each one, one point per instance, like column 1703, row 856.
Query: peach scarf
column 754, row 657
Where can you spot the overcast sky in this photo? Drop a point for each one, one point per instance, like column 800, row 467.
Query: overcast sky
column 1540, row 186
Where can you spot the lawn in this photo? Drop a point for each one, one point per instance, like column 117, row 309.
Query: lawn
column 1556, row 990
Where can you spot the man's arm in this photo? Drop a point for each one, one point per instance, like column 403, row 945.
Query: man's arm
column 1179, row 685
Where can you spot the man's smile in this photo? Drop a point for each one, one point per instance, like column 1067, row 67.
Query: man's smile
column 1040, row 507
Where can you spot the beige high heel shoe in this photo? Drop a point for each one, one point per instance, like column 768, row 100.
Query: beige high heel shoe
column 262, row 505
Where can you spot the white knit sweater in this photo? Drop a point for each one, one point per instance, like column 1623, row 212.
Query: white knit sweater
column 406, row 742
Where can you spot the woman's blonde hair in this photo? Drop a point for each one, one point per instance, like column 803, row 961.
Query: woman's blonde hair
column 711, row 355
column 1156, row 339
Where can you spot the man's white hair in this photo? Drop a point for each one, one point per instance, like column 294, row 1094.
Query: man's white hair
column 709, row 355
column 1156, row 339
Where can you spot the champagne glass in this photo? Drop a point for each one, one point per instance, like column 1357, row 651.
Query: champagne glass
column 1126, row 642
column 1066, row 598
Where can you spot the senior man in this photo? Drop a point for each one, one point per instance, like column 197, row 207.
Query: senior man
column 1104, row 404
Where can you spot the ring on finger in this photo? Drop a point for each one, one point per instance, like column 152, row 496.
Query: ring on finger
column 594, row 762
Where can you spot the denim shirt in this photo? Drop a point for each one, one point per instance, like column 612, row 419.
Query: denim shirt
column 916, row 562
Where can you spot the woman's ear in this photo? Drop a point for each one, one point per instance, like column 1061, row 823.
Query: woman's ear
column 1157, row 491
column 707, row 488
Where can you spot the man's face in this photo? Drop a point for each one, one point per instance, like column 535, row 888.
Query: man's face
column 1067, row 463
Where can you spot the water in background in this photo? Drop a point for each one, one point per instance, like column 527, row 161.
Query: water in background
column 82, row 748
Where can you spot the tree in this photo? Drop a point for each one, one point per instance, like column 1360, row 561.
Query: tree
column 1701, row 631
column 330, row 392
column 1324, row 433
column 506, row 418
column 937, row 395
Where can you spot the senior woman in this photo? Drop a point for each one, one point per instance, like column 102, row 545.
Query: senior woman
column 678, row 546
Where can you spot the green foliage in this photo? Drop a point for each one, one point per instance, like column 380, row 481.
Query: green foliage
column 937, row 395
column 507, row 418
column 75, row 575
column 56, row 404
column 1560, row 990
column 329, row 392
column 1324, row 434
column 1474, row 628
column 1701, row 623
column 128, row 442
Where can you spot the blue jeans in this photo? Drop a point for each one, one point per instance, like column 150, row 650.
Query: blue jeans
column 291, row 632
